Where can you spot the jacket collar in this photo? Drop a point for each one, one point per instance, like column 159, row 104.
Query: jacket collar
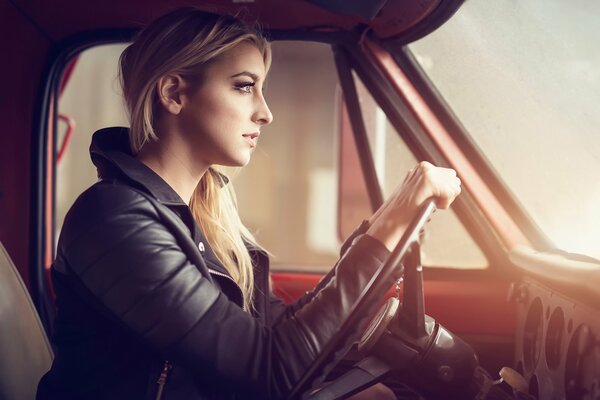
column 111, row 153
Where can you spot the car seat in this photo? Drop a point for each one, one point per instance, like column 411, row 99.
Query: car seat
column 25, row 352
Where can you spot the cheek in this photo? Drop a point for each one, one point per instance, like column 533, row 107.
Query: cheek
column 202, row 120
column 216, row 114
column 226, row 116
column 222, row 106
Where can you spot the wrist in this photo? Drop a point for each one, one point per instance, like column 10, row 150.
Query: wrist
column 388, row 232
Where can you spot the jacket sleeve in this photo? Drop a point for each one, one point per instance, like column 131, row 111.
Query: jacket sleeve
column 280, row 310
column 118, row 247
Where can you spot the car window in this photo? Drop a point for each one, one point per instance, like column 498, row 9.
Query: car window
column 287, row 195
column 523, row 78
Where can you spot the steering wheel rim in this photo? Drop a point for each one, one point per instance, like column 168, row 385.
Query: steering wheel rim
column 377, row 285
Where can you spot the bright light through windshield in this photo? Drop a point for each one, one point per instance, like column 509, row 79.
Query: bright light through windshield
column 524, row 79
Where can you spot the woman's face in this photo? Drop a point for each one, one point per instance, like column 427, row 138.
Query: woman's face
column 221, row 117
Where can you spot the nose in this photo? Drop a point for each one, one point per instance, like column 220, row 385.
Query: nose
column 262, row 115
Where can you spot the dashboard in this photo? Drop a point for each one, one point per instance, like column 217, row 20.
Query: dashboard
column 558, row 329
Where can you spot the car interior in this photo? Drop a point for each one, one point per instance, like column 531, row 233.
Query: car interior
column 499, row 296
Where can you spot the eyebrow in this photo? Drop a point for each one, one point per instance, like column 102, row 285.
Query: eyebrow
column 248, row 74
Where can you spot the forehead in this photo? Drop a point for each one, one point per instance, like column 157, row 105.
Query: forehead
column 244, row 57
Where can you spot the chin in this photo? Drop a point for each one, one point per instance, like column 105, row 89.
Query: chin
column 239, row 161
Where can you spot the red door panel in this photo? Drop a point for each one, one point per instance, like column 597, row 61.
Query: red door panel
column 467, row 307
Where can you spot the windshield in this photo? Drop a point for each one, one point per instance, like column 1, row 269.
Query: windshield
column 524, row 80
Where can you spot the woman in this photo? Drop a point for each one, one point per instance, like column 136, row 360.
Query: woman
column 160, row 289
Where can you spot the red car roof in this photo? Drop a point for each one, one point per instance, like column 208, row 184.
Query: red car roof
column 62, row 18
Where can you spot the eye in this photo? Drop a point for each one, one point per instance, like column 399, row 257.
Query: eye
column 245, row 87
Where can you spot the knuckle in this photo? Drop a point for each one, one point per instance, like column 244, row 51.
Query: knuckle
column 424, row 165
column 429, row 173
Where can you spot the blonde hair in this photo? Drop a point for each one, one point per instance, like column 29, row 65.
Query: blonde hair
column 183, row 42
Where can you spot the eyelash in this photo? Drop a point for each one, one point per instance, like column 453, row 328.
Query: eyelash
column 245, row 87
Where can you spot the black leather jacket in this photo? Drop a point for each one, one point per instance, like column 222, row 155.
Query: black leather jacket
column 133, row 290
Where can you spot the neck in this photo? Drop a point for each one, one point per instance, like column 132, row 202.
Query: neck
column 176, row 167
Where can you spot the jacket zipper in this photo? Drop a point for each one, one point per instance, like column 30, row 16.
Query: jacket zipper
column 213, row 272
column 162, row 379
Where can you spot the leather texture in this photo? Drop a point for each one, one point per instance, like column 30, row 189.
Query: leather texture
column 25, row 352
column 133, row 289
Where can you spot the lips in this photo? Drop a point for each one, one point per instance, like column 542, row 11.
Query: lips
column 252, row 138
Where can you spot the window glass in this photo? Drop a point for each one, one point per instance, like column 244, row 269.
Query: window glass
column 286, row 195
column 446, row 242
column 92, row 98
column 524, row 80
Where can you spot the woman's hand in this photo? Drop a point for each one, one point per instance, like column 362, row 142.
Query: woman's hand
column 422, row 182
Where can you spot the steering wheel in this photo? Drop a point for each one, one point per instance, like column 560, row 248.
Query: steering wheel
column 378, row 285
column 401, row 341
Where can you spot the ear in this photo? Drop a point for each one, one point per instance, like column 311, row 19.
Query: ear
column 170, row 92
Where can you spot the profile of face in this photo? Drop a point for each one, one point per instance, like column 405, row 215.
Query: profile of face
column 220, row 117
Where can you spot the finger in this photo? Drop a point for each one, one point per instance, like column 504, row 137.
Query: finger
column 408, row 175
column 447, row 191
column 449, row 171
